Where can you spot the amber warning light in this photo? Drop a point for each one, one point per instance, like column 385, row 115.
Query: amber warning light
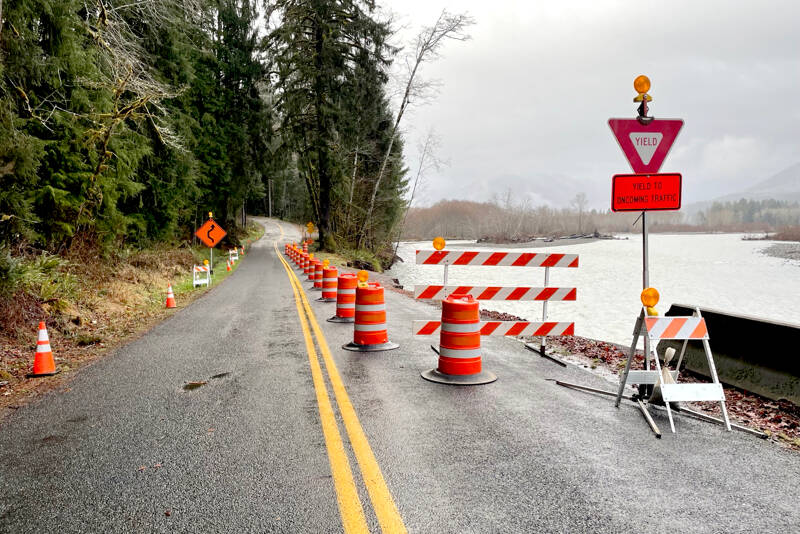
column 646, row 192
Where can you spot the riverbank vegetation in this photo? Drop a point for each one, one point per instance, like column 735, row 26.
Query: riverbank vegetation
column 508, row 220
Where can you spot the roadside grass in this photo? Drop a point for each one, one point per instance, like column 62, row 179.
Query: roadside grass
column 90, row 306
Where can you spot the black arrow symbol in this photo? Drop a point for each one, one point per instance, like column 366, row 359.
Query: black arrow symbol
column 208, row 234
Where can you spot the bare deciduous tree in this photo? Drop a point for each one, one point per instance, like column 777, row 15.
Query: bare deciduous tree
column 428, row 46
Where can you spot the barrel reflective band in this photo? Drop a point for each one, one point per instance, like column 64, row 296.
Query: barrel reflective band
column 461, row 328
column 370, row 307
column 312, row 267
column 345, row 291
column 377, row 327
column 346, row 305
column 459, row 353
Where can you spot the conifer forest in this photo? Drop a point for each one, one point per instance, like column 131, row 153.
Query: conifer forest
column 123, row 123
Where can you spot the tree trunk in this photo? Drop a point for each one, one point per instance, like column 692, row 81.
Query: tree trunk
column 323, row 166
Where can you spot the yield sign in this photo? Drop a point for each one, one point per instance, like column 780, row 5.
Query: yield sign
column 645, row 145
column 210, row 233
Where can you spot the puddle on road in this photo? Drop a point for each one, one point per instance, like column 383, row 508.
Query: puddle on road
column 191, row 386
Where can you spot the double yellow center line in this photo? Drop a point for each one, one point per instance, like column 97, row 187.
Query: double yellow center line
column 350, row 507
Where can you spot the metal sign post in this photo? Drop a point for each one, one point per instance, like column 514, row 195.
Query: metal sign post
column 645, row 142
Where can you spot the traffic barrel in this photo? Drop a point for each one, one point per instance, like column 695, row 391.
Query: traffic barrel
column 329, row 284
column 369, row 330
column 460, row 344
column 304, row 263
column 318, row 276
column 312, row 266
column 346, row 285
column 305, row 248
column 43, row 362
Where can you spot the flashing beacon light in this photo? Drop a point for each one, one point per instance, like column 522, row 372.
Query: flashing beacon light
column 311, row 256
column 642, row 84
column 362, row 276
column 326, row 263
column 649, row 298
column 210, row 215
column 205, row 262
column 439, row 243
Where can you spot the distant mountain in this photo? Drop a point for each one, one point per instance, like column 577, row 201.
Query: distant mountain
column 782, row 186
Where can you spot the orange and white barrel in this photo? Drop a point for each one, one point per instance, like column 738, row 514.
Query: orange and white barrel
column 369, row 331
column 460, row 344
column 305, row 264
column 305, row 248
column 346, row 285
column 329, row 284
column 312, row 267
column 318, row 276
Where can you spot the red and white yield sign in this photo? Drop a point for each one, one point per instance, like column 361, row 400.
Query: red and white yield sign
column 646, row 192
column 645, row 145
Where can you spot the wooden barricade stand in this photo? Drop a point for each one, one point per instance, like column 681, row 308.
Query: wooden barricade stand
column 678, row 328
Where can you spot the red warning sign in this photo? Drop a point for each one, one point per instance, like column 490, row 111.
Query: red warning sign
column 645, row 145
column 646, row 192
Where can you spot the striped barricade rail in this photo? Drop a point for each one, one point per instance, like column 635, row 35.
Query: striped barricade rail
column 233, row 254
column 502, row 328
column 496, row 292
column 492, row 259
column 544, row 294
column 201, row 275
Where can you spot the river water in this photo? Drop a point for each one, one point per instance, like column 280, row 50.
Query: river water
column 719, row 271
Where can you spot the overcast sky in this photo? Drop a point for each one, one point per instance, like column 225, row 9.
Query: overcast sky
column 525, row 103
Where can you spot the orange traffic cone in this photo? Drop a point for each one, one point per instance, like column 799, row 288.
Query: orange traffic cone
column 242, row 251
column 43, row 362
column 170, row 297
column 229, row 265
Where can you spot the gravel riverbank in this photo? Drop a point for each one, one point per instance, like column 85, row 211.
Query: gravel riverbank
column 786, row 251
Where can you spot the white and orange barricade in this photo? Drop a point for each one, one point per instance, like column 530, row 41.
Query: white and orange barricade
column 318, row 276
column 346, row 284
column 233, row 255
column 543, row 294
column 680, row 328
column 329, row 284
column 370, row 333
column 201, row 275
column 459, row 344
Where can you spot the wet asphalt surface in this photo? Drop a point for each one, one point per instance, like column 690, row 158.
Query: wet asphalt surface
column 124, row 448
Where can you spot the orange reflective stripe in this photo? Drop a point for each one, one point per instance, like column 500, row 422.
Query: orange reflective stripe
column 700, row 331
column 673, row 328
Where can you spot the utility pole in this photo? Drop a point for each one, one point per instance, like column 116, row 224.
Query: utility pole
column 269, row 189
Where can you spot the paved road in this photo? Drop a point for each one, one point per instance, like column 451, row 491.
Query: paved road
column 126, row 449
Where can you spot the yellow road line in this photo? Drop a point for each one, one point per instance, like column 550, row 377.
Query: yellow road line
column 353, row 519
column 382, row 501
